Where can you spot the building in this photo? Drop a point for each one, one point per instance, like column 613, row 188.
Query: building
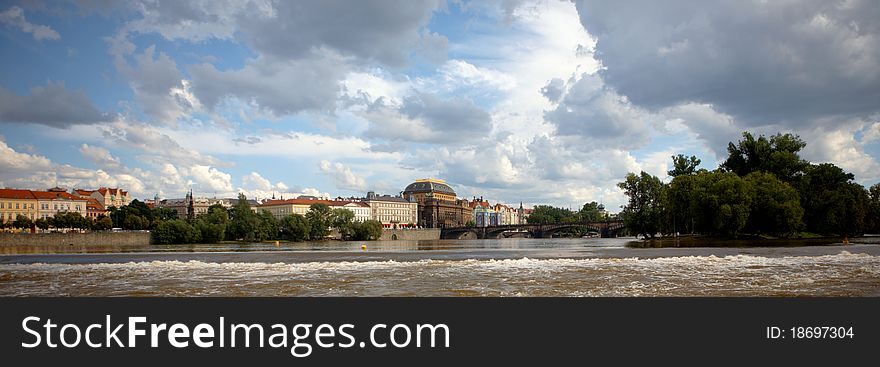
column 57, row 200
column 107, row 197
column 392, row 211
column 508, row 215
column 282, row 208
column 191, row 207
column 94, row 208
column 484, row 214
column 437, row 205
column 17, row 202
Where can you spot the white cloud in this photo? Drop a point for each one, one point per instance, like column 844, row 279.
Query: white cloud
column 343, row 177
column 14, row 17
column 100, row 157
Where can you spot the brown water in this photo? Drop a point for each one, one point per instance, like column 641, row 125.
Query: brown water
column 508, row 267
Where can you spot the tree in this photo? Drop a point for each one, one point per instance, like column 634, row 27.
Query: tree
column 294, row 227
column 684, row 165
column 872, row 222
column 244, row 224
column 175, row 231
column 723, row 202
column 268, row 226
column 590, row 212
column 103, row 223
column 776, row 207
column 319, row 220
column 644, row 210
column 342, row 220
column 832, row 203
column 777, row 155
column 135, row 222
column 43, row 223
column 22, row 222
column 212, row 225
column 367, row 230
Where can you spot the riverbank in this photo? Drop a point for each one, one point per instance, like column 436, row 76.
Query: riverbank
column 699, row 241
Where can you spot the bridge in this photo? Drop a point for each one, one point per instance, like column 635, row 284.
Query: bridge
column 604, row 228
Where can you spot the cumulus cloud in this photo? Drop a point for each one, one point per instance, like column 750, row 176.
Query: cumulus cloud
column 760, row 62
column 100, row 157
column 14, row 17
column 159, row 88
column 210, row 179
column 274, row 84
column 343, row 177
column 427, row 118
column 598, row 115
column 158, row 145
column 51, row 105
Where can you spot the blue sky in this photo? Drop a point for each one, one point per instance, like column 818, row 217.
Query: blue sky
column 536, row 101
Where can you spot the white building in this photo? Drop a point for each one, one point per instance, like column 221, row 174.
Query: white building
column 392, row 211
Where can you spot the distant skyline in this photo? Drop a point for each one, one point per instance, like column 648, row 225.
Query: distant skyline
column 544, row 102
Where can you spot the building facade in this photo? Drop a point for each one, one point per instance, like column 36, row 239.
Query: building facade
column 392, row 211
column 438, row 206
column 57, row 200
column 282, row 208
column 17, row 202
column 106, row 196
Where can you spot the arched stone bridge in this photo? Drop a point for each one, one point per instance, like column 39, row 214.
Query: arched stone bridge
column 604, row 228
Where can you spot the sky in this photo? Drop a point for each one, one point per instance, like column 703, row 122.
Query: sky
column 541, row 102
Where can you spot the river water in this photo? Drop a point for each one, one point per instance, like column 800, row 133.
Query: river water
column 506, row 267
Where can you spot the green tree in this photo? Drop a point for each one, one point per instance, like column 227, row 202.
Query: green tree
column 343, row 221
column 42, row 223
column 644, row 211
column 103, row 223
column 319, row 220
column 212, row 225
column 135, row 222
column 244, row 224
column 175, row 231
column 269, row 229
column 590, row 212
column 777, row 155
column 294, row 227
column 723, row 202
column 22, row 222
column 776, row 207
column 872, row 222
column 367, row 230
column 684, row 165
column 832, row 203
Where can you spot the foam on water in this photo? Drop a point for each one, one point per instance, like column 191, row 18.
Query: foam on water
column 737, row 275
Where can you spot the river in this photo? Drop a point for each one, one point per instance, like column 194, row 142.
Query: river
column 505, row 267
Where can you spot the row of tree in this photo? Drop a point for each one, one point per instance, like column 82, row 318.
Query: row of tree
column 763, row 188
column 240, row 223
column 61, row 220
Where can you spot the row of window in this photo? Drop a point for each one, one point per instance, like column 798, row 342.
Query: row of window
column 5, row 205
column 44, row 206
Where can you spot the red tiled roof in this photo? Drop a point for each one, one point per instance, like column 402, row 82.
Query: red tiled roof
column 310, row 202
column 82, row 192
column 16, row 194
column 47, row 195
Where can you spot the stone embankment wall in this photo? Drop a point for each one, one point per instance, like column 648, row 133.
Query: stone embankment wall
column 411, row 234
column 138, row 238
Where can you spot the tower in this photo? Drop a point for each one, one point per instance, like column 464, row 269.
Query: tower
column 190, row 206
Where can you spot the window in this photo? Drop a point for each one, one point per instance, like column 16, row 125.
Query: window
column 2, row 205
column 56, row 206
column 16, row 206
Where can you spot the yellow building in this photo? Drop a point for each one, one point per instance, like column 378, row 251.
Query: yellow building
column 17, row 202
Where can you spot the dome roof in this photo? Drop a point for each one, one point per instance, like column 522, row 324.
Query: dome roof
column 429, row 186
